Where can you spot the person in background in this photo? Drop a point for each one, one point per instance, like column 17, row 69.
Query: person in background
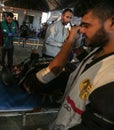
column 32, row 31
column 17, row 23
column 37, row 33
column 24, row 32
column 43, row 30
column 88, row 103
column 56, row 34
column 9, row 29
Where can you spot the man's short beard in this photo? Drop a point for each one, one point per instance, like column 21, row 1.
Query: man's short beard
column 100, row 39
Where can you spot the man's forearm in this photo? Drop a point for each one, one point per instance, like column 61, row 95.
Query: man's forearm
column 56, row 65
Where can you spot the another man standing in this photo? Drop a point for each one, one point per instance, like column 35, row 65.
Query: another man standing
column 9, row 30
column 56, row 34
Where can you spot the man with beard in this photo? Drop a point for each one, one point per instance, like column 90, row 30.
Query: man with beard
column 88, row 100
column 56, row 34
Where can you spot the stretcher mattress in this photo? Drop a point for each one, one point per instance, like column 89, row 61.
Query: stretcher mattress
column 22, row 111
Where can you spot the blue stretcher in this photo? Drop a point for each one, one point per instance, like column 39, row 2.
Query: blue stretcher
column 14, row 97
column 18, row 110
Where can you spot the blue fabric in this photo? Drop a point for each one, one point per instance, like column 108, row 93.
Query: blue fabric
column 14, row 97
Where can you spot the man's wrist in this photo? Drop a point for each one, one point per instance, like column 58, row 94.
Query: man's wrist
column 45, row 75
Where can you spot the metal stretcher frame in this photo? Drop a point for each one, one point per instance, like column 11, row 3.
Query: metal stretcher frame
column 34, row 40
column 25, row 119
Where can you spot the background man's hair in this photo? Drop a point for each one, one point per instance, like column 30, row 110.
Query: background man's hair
column 9, row 14
column 67, row 10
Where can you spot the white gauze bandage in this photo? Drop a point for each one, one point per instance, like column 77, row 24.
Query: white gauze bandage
column 45, row 75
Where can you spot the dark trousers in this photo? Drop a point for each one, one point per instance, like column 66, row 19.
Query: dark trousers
column 9, row 53
column 79, row 127
column 92, row 122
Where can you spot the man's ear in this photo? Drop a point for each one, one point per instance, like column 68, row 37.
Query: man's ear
column 111, row 23
column 112, row 20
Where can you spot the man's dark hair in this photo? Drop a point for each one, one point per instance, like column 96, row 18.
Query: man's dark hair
column 9, row 14
column 104, row 10
column 67, row 10
column 83, row 6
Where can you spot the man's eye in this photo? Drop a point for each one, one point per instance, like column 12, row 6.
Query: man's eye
column 85, row 25
column 68, row 17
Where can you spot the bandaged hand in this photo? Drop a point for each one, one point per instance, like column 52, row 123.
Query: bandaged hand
column 45, row 75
